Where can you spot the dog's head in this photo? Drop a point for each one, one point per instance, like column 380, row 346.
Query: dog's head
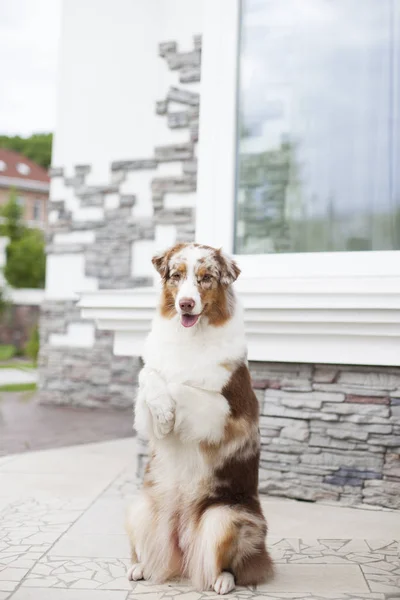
column 196, row 281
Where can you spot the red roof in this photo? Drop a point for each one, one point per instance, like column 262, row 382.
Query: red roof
column 17, row 166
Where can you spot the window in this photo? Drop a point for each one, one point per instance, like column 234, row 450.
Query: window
column 298, row 172
column 21, row 201
column 23, row 169
column 318, row 131
column 37, row 210
column 3, row 165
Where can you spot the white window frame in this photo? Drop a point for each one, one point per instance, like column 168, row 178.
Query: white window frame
column 328, row 290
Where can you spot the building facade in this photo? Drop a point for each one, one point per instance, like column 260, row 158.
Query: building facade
column 31, row 184
column 259, row 127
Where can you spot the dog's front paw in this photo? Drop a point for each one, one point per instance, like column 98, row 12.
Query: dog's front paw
column 135, row 572
column 163, row 413
column 225, row 583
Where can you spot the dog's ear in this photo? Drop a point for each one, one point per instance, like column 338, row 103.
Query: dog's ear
column 160, row 262
column 229, row 269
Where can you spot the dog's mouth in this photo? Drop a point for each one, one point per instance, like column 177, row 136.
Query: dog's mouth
column 189, row 320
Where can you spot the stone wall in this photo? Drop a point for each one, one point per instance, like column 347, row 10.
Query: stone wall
column 327, row 432
column 100, row 224
column 330, row 432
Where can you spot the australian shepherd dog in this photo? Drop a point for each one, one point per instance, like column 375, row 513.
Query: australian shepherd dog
column 198, row 515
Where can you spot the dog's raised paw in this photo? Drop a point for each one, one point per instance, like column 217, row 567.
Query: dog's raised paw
column 163, row 418
column 135, row 572
column 225, row 583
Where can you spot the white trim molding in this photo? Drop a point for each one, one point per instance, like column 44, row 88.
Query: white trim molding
column 24, row 184
column 340, row 321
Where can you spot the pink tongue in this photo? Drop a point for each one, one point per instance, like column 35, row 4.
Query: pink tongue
column 189, row 320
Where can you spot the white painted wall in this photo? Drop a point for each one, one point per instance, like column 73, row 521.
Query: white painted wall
column 110, row 77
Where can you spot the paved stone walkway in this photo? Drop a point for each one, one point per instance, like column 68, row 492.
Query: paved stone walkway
column 12, row 376
column 26, row 425
column 62, row 536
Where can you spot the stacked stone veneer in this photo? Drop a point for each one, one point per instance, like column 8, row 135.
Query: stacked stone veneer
column 94, row 376
column 330, row 432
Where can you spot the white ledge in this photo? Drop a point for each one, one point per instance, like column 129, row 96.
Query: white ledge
column 332, row 320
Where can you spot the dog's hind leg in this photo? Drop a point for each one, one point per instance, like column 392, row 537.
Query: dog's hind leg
column 229, row 548
column 155, row 554
column 138, row 523
column 212, row 549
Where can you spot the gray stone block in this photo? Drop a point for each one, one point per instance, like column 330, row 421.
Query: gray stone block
column 56, row 172
column 326, row 442
column 364, row 419
column 301, row 398
column 282, row 411
column 174, row 216
column 193, row 112
column 183, row 96
column 178, row 119
column 384, row 440
column 325, row 374
column 352, row 481
column 190, row 74
column 82, row 169
column 197, row 41
column 369, row 380
column 346, row 389
column 177, row 185
column 349, row 433
column 194, row 131
column 348, row 408
column 92, row 200
column 166, row 48
column 76, row 181
column 190, row 167
column 127, row 200
column 134, row 165
column 179, row 60
column 96, row 190
column 161, row 107
column 344, row 458
column 174, row 152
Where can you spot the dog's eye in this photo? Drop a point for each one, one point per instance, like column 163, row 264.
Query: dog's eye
column 206, row 278
column 176, row 276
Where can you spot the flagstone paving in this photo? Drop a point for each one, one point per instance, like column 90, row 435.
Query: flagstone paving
column 62, row 536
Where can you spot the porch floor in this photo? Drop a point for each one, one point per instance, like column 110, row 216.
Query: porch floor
column 62, row 536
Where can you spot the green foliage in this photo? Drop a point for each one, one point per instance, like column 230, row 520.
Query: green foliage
column 18, row 387
column 18, row 364
column 11, row 216
column 26, row 261
column 37, row 147
column 33, row 344
column 7, row 351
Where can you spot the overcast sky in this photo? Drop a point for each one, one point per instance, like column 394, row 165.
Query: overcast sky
column 29, row 37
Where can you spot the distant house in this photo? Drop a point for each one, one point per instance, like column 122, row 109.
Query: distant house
column 31, row 183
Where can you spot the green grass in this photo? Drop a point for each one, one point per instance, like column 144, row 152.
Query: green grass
column 7, row 351
column 18, row 387
column 18, row 365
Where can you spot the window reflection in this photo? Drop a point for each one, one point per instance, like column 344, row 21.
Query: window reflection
column 318, row 130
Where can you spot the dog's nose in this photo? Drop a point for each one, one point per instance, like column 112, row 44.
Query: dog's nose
column 186, row 304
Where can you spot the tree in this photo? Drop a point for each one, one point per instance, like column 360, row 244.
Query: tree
column 26, row 260
column 37, row 147
column 11, row 224
column 25, row 253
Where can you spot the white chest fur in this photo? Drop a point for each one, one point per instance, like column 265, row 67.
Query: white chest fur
column 198, row 356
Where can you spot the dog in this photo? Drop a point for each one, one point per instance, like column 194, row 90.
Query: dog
column 198, row 515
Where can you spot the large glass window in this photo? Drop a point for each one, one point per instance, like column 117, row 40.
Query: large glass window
column 318, row 126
